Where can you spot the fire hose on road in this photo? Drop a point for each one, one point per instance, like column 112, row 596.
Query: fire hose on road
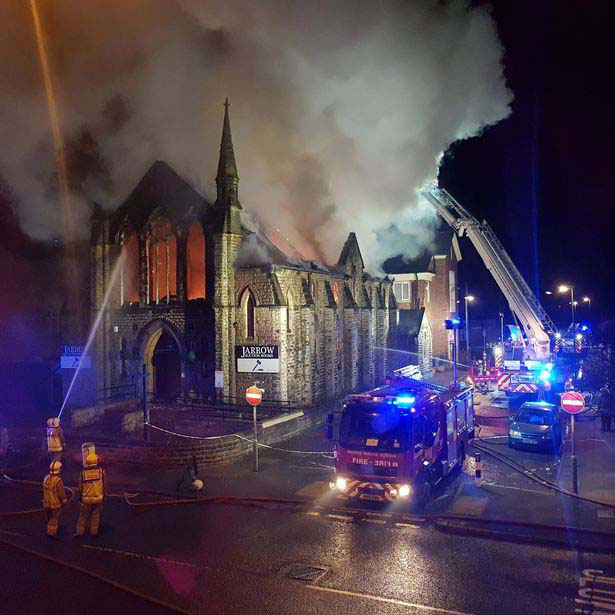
column 531, row 474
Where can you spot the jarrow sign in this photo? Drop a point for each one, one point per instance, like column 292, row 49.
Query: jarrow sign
column 264, row 359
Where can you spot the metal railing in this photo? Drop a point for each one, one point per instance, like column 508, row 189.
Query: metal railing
column 236, row 407
column 121, row 392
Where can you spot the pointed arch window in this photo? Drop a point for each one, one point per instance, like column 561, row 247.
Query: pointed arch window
column 289, row 312
column 250, row 316
column 129, row 274
column 162, row 259
column 248, row 305
column 196, row 262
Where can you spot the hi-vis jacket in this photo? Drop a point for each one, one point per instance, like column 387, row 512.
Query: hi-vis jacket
column 55, row 439
column 54, row 495
column 92, row 485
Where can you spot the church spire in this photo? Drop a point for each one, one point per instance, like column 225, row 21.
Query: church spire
column 227, row 180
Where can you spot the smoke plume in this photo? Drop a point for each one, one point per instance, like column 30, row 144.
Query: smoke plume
column 340, row 109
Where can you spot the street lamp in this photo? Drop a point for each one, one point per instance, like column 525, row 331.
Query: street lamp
column 588, row 301
column 502, row 328
column 468, row 299
column 564, row 289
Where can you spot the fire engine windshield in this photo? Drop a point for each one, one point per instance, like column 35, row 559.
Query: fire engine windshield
column 372, row 429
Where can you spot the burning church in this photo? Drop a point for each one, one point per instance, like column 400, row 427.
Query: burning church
column 208, row 307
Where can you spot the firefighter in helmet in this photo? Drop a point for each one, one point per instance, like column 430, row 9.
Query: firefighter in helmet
column 91, row 493
column 56, row 444
column 54, row 497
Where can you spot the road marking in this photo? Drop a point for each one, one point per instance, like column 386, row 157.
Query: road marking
column 313, row 513
column 595, row 593
column 412, row 605
column 377, row 514
column 520, row 489
column 142, row 556
column 340, row 517
column 380, row 521
column 400, row 524
column 11, row 533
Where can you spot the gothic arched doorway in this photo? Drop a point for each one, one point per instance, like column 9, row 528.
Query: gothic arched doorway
column 166, row 368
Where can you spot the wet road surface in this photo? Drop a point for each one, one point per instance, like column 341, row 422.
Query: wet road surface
column 237, row 559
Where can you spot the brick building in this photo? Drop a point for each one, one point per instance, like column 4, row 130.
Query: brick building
column 426, row 293
column 210, row 307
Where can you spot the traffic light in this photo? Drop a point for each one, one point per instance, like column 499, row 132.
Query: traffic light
column 453, row 323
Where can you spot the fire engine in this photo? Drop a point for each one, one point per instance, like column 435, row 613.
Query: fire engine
column 398, row 441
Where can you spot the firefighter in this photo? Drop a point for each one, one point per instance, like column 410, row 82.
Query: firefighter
column 56, row 444
column 91, row 493
column 54, row 497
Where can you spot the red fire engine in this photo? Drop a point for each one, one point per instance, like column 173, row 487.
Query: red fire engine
column 399, row 440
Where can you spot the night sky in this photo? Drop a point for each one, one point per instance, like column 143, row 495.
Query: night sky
column 543, row 178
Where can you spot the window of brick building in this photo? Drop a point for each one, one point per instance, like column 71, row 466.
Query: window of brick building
column 452, row 292
column 162, row 248
column 248, row 305
column 427, row 292
column 129, row 286
column 402, row 291
column 289, row 312
column 196, row 262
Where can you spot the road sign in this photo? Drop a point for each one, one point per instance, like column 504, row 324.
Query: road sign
column 572, row 402
column 254, row 395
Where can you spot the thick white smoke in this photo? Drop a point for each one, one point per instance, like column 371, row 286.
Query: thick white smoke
column 340, row 109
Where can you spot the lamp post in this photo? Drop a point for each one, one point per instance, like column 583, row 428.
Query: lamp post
column 588, row 300
column 468, row 299
column 564, row 289
column 502, row 328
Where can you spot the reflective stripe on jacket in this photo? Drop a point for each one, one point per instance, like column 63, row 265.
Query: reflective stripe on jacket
column 54, row 495
column 92, row 485
column 54, row 439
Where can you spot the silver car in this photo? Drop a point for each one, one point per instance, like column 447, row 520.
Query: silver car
column 536, row 426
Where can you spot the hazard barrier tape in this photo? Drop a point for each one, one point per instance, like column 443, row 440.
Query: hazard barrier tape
column 328, row 454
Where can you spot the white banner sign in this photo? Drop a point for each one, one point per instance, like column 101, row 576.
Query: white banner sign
column 263, row 359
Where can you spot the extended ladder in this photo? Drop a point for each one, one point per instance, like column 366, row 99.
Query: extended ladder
column 523, row 303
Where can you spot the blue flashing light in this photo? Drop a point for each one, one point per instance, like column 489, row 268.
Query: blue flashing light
column 545, row 375
column 456, row 321
column 584, row 328
column 405, row 400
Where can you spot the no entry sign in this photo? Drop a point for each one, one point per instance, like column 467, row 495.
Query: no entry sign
column 573, row 402
column 254, row 395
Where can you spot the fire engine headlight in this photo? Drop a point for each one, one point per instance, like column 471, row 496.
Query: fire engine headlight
column 404, row 491
column 341, row 483
column 513, row 433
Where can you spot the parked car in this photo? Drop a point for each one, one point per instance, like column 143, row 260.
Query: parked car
column 536, row 426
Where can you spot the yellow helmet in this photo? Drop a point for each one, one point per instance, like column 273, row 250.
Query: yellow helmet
column 55, row 422
column 55, row 467
column 49, row 422
column 91, row 459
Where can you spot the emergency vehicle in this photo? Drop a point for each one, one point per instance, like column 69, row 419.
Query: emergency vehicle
column 396, row 442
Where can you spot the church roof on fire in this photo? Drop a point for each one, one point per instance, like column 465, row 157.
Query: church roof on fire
column 160, row 188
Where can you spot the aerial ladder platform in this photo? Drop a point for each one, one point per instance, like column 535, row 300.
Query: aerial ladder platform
column 524, row 305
